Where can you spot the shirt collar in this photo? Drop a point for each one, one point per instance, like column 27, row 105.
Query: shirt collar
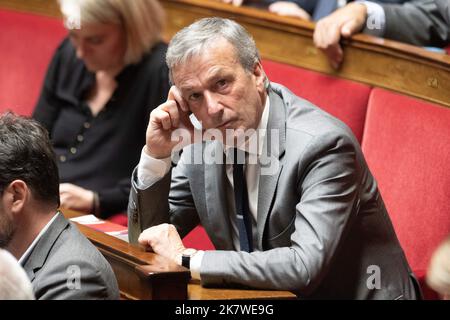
column 35, row 241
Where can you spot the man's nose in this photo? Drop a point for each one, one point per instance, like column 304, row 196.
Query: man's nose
column 212, row 104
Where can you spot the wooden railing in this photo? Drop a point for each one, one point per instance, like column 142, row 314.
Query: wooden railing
column 381, row 63
column 146, row 276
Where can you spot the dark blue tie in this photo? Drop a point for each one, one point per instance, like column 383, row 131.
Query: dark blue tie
column 244, row 222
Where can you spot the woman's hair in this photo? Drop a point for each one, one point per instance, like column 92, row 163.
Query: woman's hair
column 142, row 21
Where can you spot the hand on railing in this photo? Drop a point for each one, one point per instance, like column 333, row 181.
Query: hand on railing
column 289, row 9
column 344, row 22
column 236, row 3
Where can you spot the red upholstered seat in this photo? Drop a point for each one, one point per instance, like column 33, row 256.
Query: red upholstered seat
column 198, row 239
column 27, row 43
column 120, row 218
column 407, row 146
column 344, row 99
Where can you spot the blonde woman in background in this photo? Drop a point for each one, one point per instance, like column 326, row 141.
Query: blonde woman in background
column 100, row 87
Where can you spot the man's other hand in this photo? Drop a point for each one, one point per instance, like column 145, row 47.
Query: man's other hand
column 164, row 240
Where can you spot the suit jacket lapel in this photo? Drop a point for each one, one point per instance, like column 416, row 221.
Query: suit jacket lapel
column 271, row 160
column 39, row 254
column 216, row 198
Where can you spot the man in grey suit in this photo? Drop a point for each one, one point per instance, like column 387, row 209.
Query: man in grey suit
column 59, row 261
column 280, row 186
column 422, row 22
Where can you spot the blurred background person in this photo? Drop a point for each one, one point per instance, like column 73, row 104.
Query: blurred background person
column 14, row 283
column 303, row 9
column 100, row 87
column 423, row 23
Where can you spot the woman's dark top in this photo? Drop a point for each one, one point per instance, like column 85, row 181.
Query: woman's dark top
column 99, row 153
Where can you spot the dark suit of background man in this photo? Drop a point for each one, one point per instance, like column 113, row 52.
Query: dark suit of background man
column 60, row 262
column 422, row 23
column 303, row 213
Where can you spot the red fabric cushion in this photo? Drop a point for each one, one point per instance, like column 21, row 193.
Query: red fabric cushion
column 407, row 146
column 198, row 239
column 120, row 218
column 27, row 43
column 344, row 99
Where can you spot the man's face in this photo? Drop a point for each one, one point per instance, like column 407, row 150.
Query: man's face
column 219, row 91
column 6, row 223
column 100, row 46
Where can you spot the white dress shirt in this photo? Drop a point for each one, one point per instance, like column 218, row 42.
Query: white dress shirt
column 151, row 170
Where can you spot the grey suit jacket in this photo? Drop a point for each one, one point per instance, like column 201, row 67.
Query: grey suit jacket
column 322, row 228
column 61, row 257
column 423, row 23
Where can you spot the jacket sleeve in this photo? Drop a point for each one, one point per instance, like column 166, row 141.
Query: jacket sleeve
column 167, row 201
column 419, row 23
column 328, row 187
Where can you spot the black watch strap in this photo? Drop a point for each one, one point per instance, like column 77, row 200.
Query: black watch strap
column 186, row 261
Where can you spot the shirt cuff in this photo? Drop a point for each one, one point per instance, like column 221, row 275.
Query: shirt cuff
column 195, row 264
column 376, row 19
column 151, row 170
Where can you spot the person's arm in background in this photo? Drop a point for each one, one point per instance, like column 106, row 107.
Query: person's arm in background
column 289, row 9
column 236, row 3
column 282, row 8
column 418, row 23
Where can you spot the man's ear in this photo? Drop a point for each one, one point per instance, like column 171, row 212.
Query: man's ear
column 17, row 194
column 260, row 76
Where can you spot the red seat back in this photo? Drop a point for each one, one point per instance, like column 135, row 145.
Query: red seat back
column 407, row 146
column 27, row 43
column 344, row 99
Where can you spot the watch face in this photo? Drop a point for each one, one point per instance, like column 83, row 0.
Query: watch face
column 189, row 252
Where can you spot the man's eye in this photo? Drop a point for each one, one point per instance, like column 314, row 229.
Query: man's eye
column 221, row 83
column 194, row 96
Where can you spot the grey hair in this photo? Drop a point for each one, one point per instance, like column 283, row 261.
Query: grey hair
column 14, row 283
column 203, row 34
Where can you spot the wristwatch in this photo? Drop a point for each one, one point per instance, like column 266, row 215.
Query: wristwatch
column 186, row 257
